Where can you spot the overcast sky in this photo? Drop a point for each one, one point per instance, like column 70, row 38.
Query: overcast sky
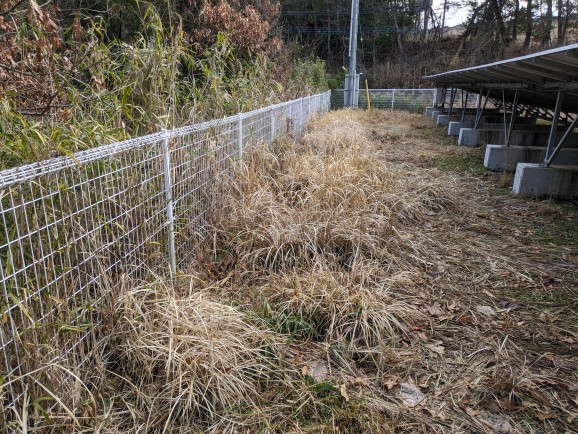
column 455, row 16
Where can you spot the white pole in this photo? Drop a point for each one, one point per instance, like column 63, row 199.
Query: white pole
column 240, row 135
column 272, row 122
column 169, row 199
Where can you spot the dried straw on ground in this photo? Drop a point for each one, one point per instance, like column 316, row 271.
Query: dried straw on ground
column 370, row 278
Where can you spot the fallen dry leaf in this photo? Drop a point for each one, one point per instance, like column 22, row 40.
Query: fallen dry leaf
column 390, row 382
column 486, row 310
column 507, row 403
column 436, row 349
column 545, row 416
column 359, row 381
column 410, row 395
column 343, row 391
column 496, row 422
column 435, row 309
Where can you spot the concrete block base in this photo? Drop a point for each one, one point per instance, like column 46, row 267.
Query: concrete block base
column 540, row 181
column 436, row 113
column 499, row 157
column 469, row 137
column 455, row 127
column 443, row 120
column 429, row 111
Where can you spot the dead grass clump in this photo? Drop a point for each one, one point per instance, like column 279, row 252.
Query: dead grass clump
column 341, row 202
column 334, row 132
column 360, row 307
column 190, row 358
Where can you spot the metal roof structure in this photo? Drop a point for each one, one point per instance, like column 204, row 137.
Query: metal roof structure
column 537, row 77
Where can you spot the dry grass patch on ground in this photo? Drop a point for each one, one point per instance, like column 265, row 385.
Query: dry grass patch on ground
column 369, row 278
column 376, row 229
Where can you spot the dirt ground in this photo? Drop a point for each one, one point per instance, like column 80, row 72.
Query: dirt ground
column 498, row 349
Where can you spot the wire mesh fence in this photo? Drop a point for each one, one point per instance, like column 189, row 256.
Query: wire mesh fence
column 74, row 228
column 460, row 99
column 412, row 100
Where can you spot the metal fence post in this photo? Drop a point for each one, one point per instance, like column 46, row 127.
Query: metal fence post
column 240, row 135
column 300, row 116
column 290, row 119
column 272, row 122
column 169, row 199
column 392, row 98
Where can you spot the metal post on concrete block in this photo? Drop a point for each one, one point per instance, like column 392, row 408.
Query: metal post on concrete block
column 439, row 95
column 505, row 116
column 169, row 200
column 453, row 93
column 512, row 118
column 481, row 112
column 554, row 128
column 553, row 154
column 464, row 106
column 240, row 135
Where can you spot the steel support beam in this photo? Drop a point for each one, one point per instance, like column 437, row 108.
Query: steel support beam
column 481, row 112
column 464, row 106
column 505, row 115
column 552, row 138
column 453, row 92
column 512, row 118
column 556, row 150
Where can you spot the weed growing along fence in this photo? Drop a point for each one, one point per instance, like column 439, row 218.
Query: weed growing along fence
column 73, row 226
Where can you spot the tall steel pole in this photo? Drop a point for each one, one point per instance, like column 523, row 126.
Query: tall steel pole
column 350, row 81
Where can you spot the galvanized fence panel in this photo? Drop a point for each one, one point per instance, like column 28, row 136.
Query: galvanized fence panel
column 461, row 99
column 75, row 228
column 412, row 100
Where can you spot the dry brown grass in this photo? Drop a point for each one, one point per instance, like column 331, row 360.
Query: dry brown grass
column 333, row 198
column 371, row 278
column 384, row 200
column 360, row 307
column 189, row 357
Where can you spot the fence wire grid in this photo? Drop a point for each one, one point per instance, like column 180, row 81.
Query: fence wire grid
column 412, row 100
column 72, row 226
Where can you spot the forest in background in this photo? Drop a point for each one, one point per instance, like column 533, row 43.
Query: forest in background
column 402, row 40
column 79, row 73
column 76, row 73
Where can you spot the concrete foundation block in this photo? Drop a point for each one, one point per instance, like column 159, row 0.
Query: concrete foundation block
column 436, row 113
column 469, row 137
column 499, row 157
column 443, row 119
column 429, row 111
column 540, row 181
column 455, row 127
